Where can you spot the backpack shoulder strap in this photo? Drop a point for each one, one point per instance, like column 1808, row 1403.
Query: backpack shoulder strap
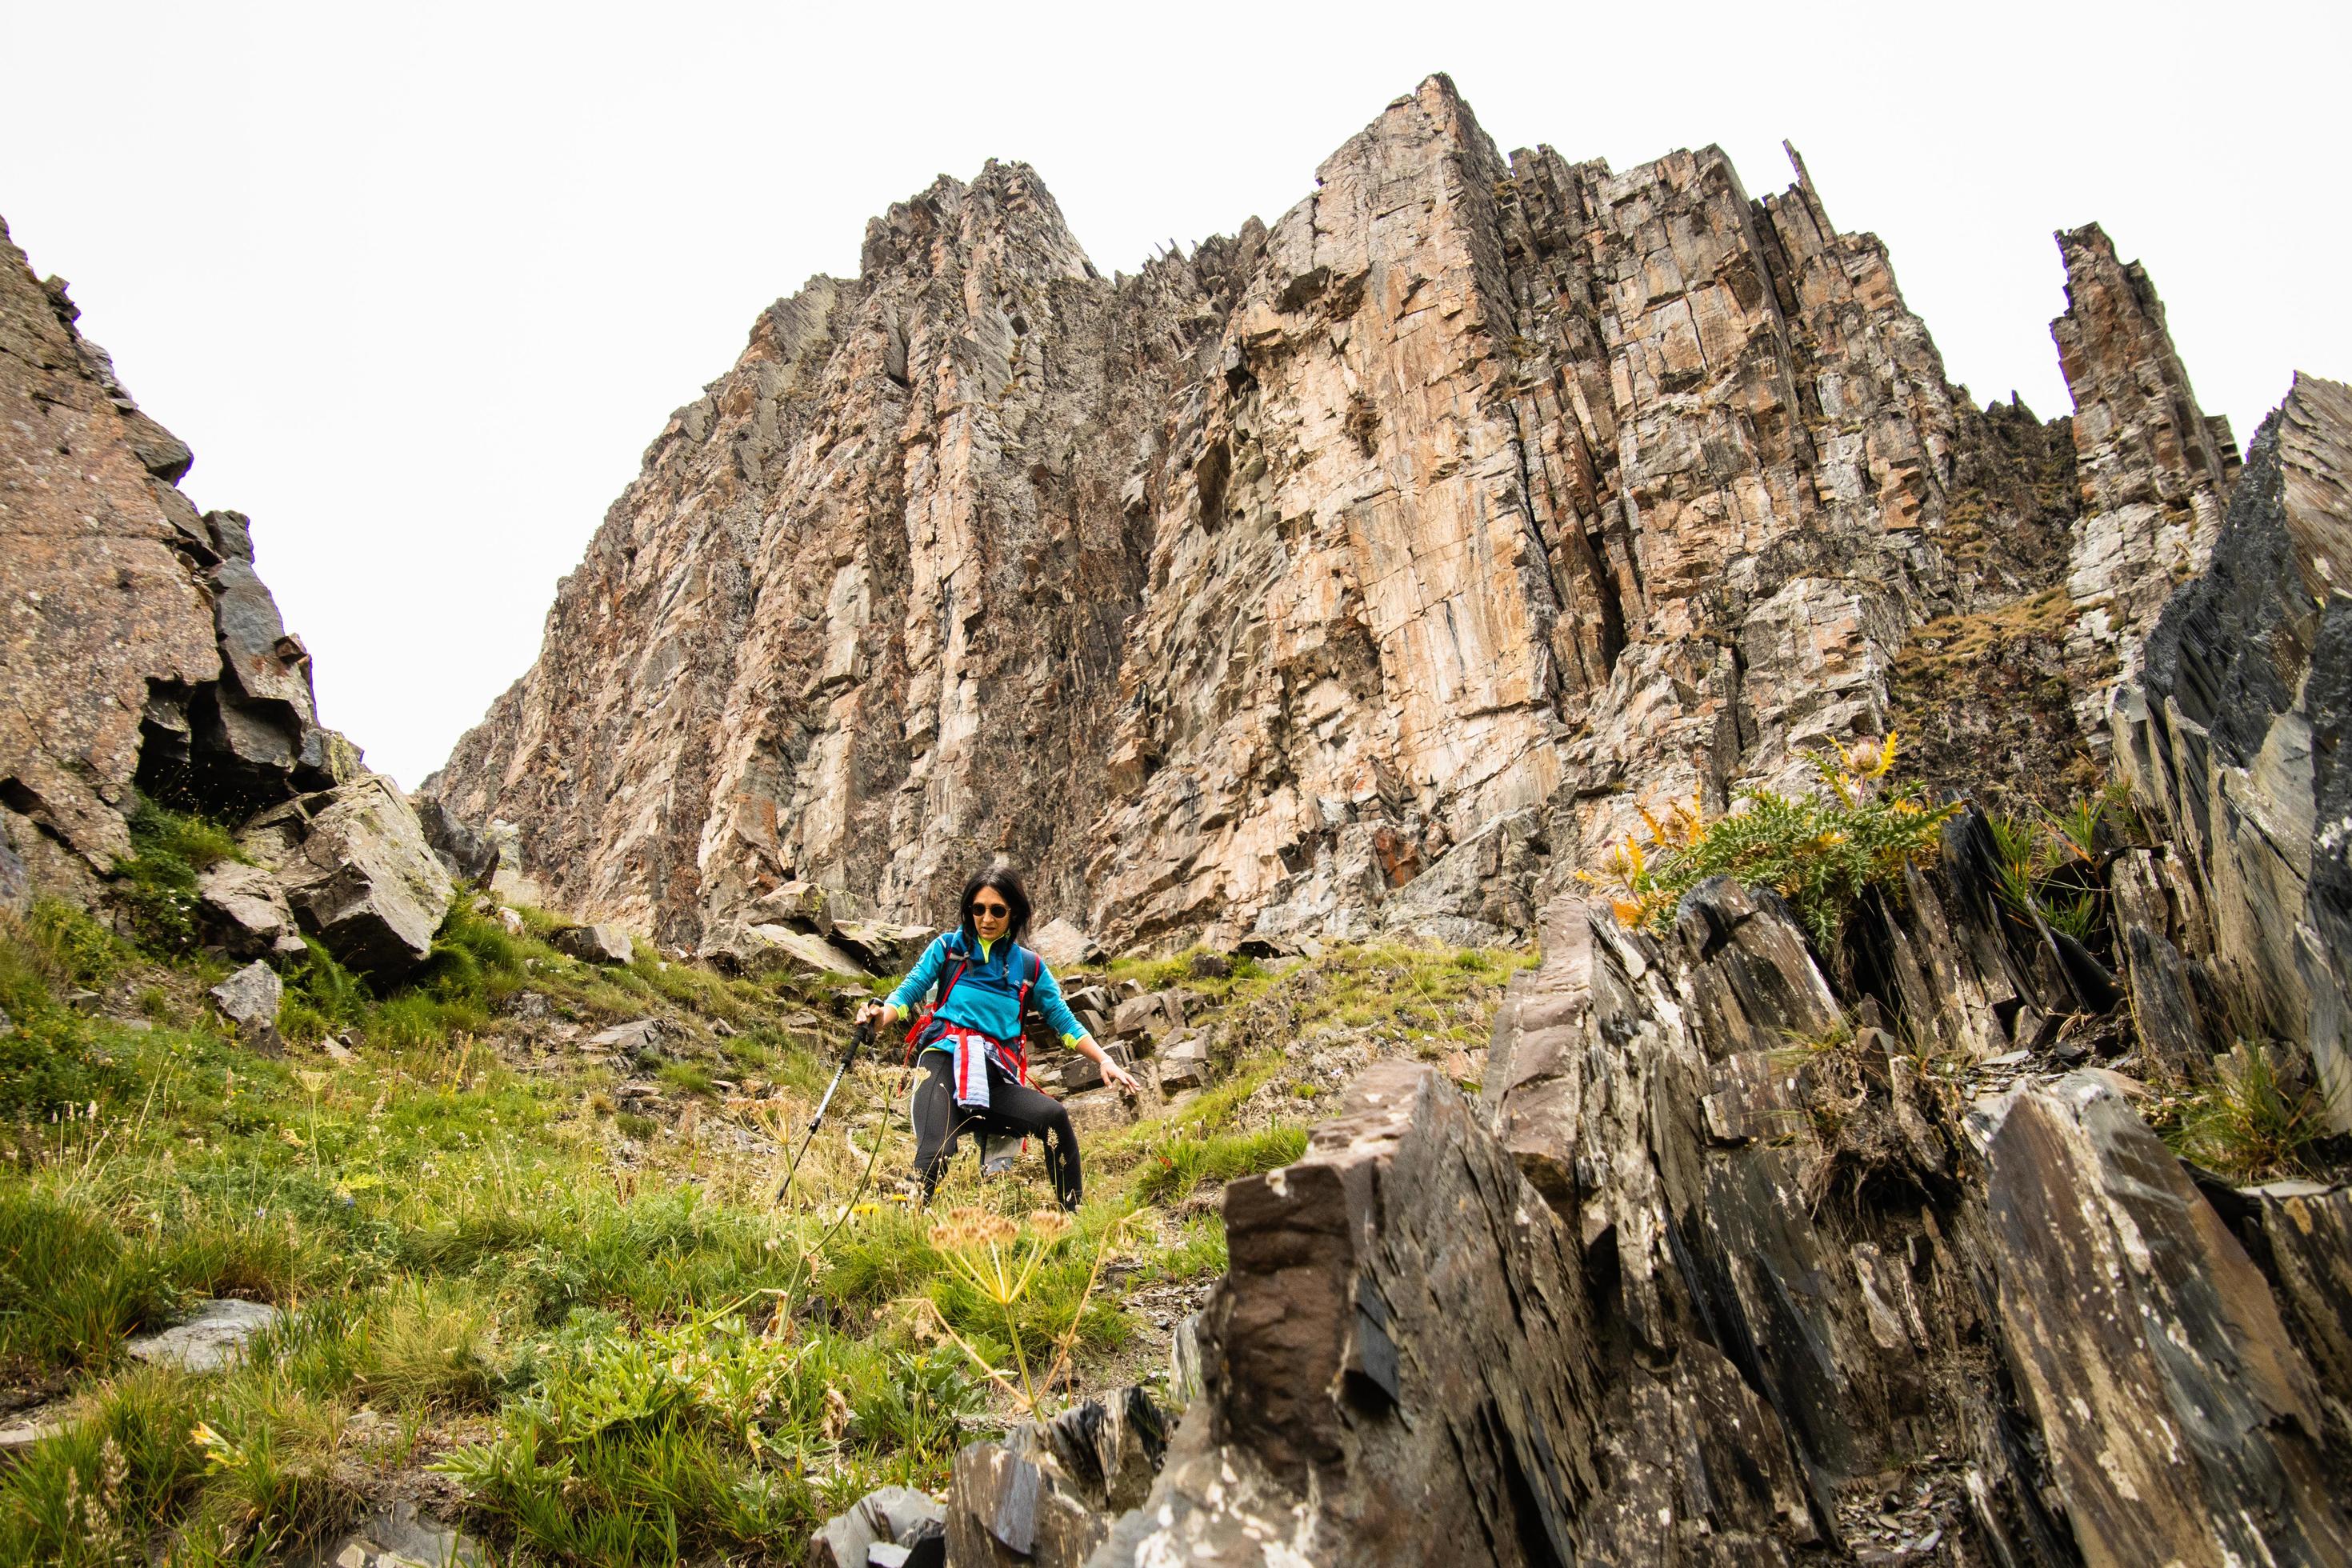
column 1036, row 972
column 963, row 962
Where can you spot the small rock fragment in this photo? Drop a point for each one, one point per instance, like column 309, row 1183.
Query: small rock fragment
column 249, row 999
column 246, row 910
column 595, row 943
column 207, row 1341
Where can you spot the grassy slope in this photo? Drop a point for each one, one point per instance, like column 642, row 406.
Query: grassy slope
column 519, row 1286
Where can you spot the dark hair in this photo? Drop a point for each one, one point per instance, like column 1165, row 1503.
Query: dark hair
column 1016, row 899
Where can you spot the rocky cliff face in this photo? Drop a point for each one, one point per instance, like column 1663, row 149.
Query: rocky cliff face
column 1359, row 573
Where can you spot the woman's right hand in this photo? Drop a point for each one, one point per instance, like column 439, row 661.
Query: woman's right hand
column 871, row 1013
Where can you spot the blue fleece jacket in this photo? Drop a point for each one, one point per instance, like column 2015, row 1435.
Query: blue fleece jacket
column 988, row 996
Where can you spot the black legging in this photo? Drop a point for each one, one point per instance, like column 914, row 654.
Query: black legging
column 1014, row 1109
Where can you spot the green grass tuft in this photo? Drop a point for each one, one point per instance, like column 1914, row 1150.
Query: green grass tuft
column 2249, row 1124
column 1171, row 1169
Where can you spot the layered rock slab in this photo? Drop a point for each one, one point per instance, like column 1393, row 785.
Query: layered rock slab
column 1398, row 1366
column 2043, row 1298
column 2182, row 1422
column 2154, row 470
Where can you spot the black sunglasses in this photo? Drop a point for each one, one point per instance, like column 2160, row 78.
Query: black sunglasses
column 993, row 911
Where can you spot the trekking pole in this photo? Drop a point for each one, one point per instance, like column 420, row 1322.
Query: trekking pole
column 858, row 1039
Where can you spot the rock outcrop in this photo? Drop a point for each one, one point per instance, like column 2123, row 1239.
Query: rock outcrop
column 1764, row 1254
column 1742, row 1280
column 1399, row 1366
column 103, row 577
column 2182, row 1423
column 1361, row 572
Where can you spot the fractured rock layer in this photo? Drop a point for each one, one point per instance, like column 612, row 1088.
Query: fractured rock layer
column 2236, row 744
column 1355, row 572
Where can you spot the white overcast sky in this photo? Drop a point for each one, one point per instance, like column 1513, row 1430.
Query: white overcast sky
column 419, row 282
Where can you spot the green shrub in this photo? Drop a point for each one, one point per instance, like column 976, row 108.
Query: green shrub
column 655, row 1258
column 2053, row 869
column 71, row 1289
column 1201, row 1251
column 49, row 1064
column 429, row 1345
column 415, row 1019
column 1819, row 851
column 699, row 1441
column 98, row 1490
column 326, row 996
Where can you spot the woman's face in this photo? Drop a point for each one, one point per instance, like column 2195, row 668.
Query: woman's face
column 989, row 913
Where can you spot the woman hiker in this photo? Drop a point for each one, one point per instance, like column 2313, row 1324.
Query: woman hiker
column 975, row 1068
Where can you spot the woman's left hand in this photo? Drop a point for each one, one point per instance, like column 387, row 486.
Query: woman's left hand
column 1121, row 1076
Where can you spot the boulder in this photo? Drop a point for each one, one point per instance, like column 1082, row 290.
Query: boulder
column 1093, row 1005
column 1141, row 1022
column 1183, row 1063
column 889, row 1518
column 1064, row 946
column 636, row 1040
column 249, row 999
column 245, row 908
column 211, row 1340
column 357, row 870
column 595, row 943
column 804, row 906
column 399, row 1535
column 2183, row 1424
column 1398, row 1368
